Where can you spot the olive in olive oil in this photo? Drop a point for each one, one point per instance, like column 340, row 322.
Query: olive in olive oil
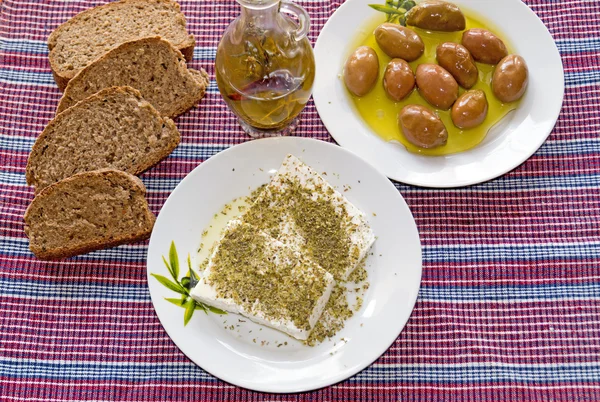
column 381, row 113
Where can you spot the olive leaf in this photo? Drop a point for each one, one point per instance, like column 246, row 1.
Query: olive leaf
column 176, row 287
column 183, row 286
column 206, row 308
column 175, row 301
column 395, row 11
column 191, row 274
column 190, row 306
column 203, row 307
column 174, row 260
column 215, row 310
column 387, row 10
column 168, row 267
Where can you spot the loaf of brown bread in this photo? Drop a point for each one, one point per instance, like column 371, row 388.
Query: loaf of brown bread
column 114, row 128
column 92, row 33
column 150, row 65
column 88, row 211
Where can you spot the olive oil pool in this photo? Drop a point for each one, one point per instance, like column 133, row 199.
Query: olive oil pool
column 381, row 113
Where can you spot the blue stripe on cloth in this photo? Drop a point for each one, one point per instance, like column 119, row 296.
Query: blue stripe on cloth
column 85, row 291
column 205, row 151
column 23, row 46
column 524, row 183
column 581, row 78
column 128, row 292
column 564, row 46
column 589, row 44
column 512, row 252
column 570, row 182
column 16, row 143
column 209, row 53
column 26, row 77
column 205, row 53
column 510, row 293
column 19, row 247
column 40, row 47
column 194, row 151
column 484, row 372
column 183, row 150
column 187, row 371
column 102, row 370
column 46, row 78
column 570, row 147
column 13, row 179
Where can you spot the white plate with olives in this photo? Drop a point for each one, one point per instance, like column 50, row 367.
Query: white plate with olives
column 256, row 357
column 438, row 102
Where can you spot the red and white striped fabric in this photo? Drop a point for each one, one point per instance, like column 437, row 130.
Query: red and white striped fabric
column 510, row 302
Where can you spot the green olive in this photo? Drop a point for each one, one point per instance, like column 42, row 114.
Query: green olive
column 436, row 85
column 398, row 80
column 399, row 42
column 485, row 47
column 510, row 78
column 470, row 109
column 458, row 61
column 361, row 71
column 436, row 15
column 422, row 127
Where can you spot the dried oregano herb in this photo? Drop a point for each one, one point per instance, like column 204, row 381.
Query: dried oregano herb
column 323, row 226
column 259, row 275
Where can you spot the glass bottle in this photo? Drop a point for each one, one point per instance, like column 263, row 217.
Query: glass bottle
column 265, row 66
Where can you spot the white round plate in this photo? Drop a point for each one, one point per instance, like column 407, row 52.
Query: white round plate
column 507, row 145
column 253, row 359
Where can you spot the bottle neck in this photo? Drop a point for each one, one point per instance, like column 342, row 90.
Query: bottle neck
column 260, row 16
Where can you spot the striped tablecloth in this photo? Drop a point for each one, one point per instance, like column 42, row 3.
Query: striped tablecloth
column 509, row 307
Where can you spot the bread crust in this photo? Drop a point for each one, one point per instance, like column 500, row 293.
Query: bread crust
column 136, row 168
column 59, row 254
column 63, row 77
column 81, row 75
column 94, row 244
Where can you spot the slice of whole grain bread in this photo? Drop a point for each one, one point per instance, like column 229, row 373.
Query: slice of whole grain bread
column 88, row 211
column 114, row 128
column 150, row 65
column 90, row 34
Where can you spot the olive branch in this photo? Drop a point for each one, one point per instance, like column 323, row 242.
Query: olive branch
column 183, row 286
column 395, row 10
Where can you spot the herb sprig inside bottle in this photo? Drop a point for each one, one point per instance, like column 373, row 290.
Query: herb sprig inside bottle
column 265, row 66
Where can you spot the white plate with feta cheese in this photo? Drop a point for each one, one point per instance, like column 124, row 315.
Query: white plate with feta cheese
column 241, row 352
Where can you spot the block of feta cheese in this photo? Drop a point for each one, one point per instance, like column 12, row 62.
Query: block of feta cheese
column 299, row 208
column 259, row 277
